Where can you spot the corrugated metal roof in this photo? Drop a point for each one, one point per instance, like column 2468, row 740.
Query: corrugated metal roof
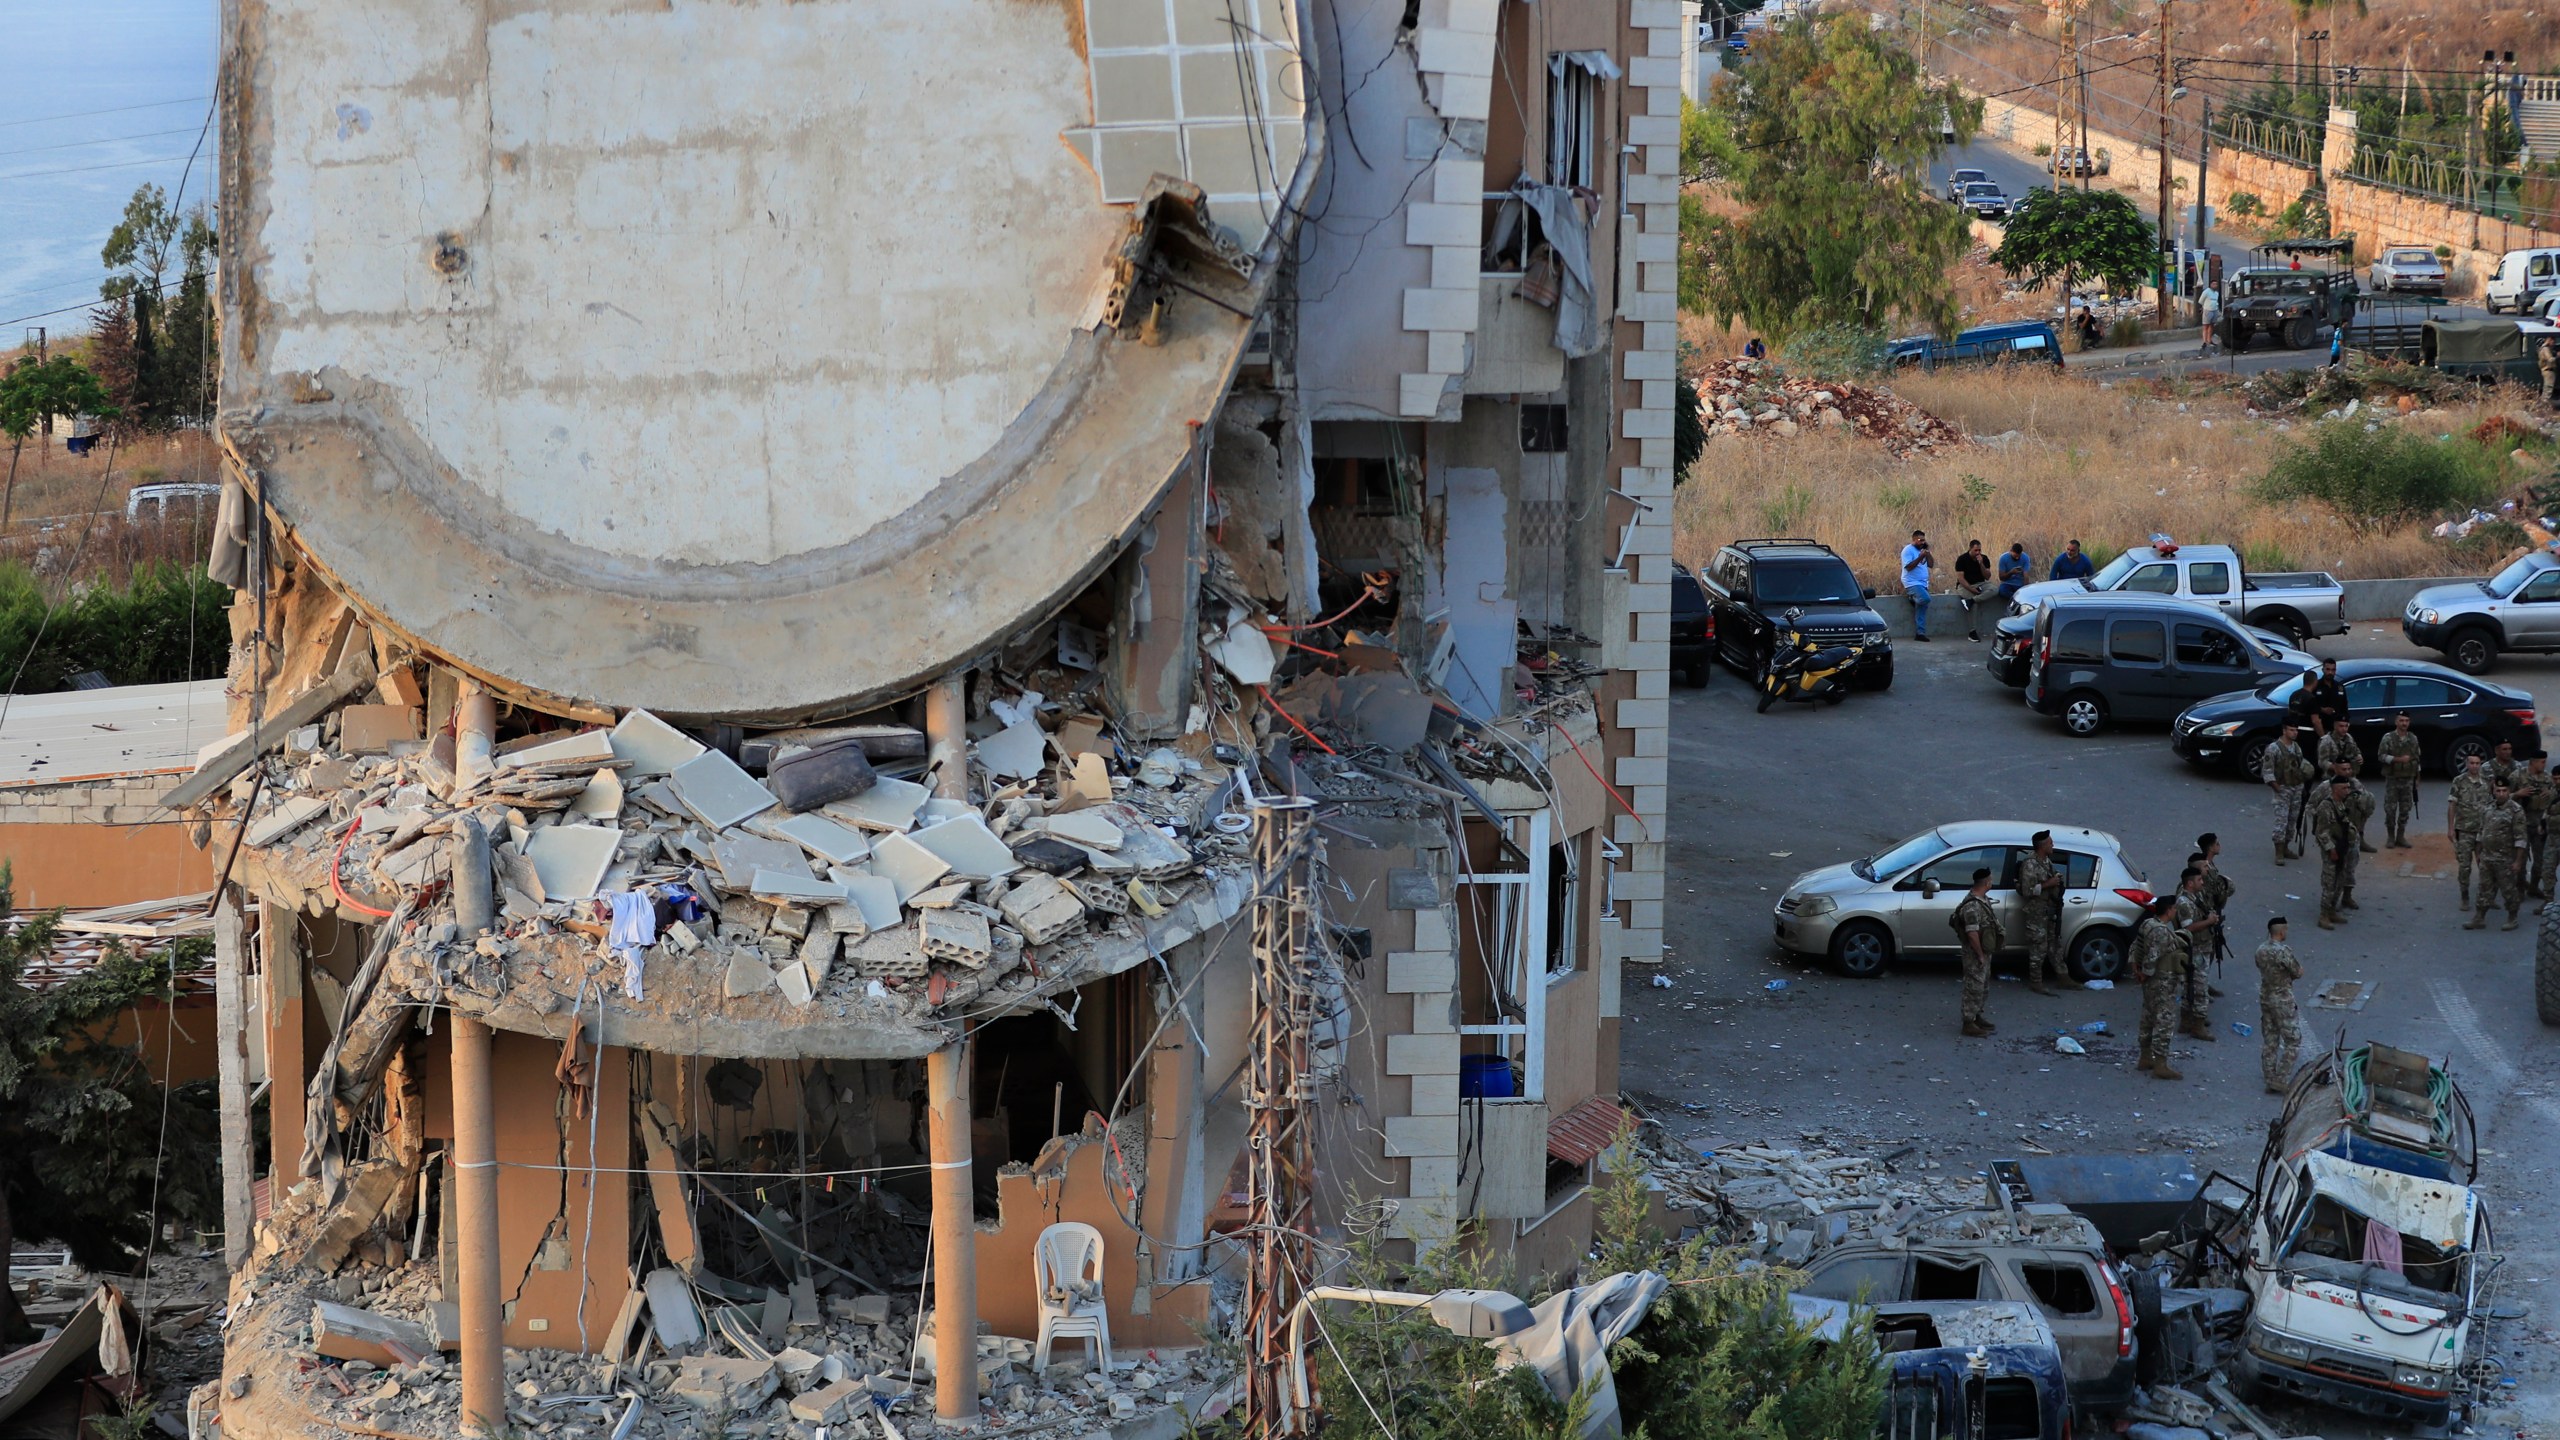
column 1577, row 1136
column 129, row 730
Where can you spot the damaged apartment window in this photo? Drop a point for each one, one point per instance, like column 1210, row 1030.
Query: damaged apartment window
column 1564, row 907
column 1542, row 429
column 1573, row 113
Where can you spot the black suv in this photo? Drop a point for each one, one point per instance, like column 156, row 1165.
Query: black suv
column 1751, row 584
column 1693, row 628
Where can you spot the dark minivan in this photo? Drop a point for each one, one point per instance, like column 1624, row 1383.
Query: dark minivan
column 2112, row 656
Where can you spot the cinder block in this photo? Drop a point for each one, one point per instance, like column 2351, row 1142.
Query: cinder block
column 1422, row 1054
column 1647, row 365
column 1636, row 885
column 1447, row 354
column 1653, row 684
column 1650, row 14
column 1657, row 247
column 1409, row 1135
column 1410, row 972
column 1644, row 305
column 1637, row 424
column 1650, row 624
column 1658, row 277
column 1434, row 1095
column 1644, row 915
column 1479, row 16
column 1418, row 395
column 1431, row 930
column 1654, row 70
column 1426, row 223
column 1458, row 182
column 1656, row 394
column 1654, row 450
column 1435, row 1012
column 1641, row 714
column 1466, row 97
column 1452, row 52
column 1665, row 338
column 1450, row 310
column 1456, row 267
column 1644, row 599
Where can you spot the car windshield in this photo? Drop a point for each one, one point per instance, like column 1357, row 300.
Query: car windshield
column 2113, row 572
column 2411, row 257
column 1982, row 187
column 2514, row 575
column 1924, row 846
column 1813, row 583
column 2281, row 283
column 1963, row 177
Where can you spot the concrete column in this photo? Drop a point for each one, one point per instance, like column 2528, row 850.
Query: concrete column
column 475, row 1155
column 288, row 1071
column 231, row 1044
column 955, row 1238
column 946, row 729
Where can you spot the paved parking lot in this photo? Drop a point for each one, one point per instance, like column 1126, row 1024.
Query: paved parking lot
column 1756, row 799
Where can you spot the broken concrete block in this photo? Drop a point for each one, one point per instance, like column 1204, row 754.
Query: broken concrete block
column 717, row 792
column 959, row 936
column 584, row 745
column 967, row 846
column 940, row 897
column 739, row 855
column 680, row 937
column 371, row 729
column 818, row 951
column 714, row 1382
column 1245, row 653
column 748, row 976
column 1042, row 908
column 570, row 860
column 790, row 920
column 783, row 887
column 835, row 843
column 399, row 686
column 369, row 1186
column 798, row 1366
column 798, row 985
column 889, row 806
column 1019, row 751
column 861, row 1309
column 890, row 954
column 344, row 1332
column 602, row 799
column 1103, row 897
column 294, row 812
column 653, row 746
column 831, row 1404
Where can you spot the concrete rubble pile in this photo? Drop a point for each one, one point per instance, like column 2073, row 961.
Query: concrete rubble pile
column 1747, row 397
column 786, row 1368
column 1785, row 1198
column 638, row 859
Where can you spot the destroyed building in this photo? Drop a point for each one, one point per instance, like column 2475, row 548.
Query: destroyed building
column 832, row 672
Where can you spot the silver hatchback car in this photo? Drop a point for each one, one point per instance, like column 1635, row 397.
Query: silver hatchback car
column 1859, row 915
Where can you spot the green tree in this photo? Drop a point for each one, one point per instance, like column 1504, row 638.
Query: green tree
column 29, row 393
column 2061, row 233
column 83, row 1148
column 167, row 335
column 1832, row 127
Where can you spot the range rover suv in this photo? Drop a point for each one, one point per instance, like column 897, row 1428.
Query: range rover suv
column 1752, row 584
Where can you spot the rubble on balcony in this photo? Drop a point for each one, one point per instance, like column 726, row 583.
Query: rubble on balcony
column 638, row 861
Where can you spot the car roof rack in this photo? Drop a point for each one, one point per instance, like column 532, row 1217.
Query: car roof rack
column 1778, row 540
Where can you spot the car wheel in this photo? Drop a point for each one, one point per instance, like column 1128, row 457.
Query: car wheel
column 1883, row 677
column 2251, row 753
column 2084, row 713
column 2472, row 651
column 1860, row 949
column 2459, row 750
column 2292, row 626
column 2098, row 953
column 2298, row 334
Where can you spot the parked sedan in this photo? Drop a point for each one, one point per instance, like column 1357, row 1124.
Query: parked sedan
column 1984, row 200
column 2409, row 268
column 1861, row 914
column 2007, row 658
column 2454, row 715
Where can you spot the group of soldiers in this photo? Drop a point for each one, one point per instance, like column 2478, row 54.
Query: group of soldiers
column 2180, row 933
column 2497, row 812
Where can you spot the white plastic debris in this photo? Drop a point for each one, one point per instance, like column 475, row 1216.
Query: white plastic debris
column 2098, row 985
column 2069, row 1046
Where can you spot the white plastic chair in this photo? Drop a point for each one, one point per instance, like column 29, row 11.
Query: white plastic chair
column 1066, row 1268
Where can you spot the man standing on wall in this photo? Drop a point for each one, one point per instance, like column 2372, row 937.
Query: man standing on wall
column 1915, row 582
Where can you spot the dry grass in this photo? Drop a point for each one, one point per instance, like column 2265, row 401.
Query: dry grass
column 2107, row 467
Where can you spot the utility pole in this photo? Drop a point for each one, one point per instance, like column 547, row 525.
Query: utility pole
column 2470, row 140
column 2167, row 244
column 2204, row 175
column 35, row 341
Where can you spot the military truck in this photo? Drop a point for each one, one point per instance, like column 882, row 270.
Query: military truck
column 2292, row 290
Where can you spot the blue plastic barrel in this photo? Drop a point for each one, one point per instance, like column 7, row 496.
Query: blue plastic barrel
column 1486, row 1077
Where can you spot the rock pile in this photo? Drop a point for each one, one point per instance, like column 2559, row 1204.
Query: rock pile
column 1747, row 397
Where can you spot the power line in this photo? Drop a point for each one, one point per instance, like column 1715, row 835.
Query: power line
column 83, row 169
column 108, row 140
column 163, row 287
column 110, row 110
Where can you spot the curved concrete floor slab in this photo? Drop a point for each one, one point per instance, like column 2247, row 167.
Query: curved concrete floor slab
column 726, row 360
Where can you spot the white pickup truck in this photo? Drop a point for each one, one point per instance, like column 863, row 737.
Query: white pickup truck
column 2297, row 604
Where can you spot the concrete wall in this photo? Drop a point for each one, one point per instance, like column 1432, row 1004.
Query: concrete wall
column 95, row 843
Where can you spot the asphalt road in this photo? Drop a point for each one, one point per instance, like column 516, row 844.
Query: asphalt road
column 1757, row 799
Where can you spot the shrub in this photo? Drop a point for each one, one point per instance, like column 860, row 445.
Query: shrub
column 2264, row 555
column 1837, row 352
column 2444, row 252
column 2042, row 150
column 1688, row 428
column 2126, row 331
column 168, row 624
column 2378, row 475
column 2243, row 203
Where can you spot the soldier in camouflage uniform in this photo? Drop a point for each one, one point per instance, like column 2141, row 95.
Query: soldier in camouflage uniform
column 2194, row 917
column 2399, row 782
column 2279, row 1018
column 2040, row 880
column 2505, row 768
column 2464, row 803
column 2541, row 801
column 2339, row 747
column 1977, row 926
column 2218, row 891
column 2159, row 963
column 2287, row 772
column 2335, row 819
column 2501, row 848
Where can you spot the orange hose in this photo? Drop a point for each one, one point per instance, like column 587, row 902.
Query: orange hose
column 339, row 890
column 1294, row 725
column 1373, row 587
column 1604, row 781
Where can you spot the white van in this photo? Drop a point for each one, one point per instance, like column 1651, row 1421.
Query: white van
column 2523, row 276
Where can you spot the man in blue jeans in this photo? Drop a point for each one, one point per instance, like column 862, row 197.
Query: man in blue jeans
column 1915, row 582
column 2071, row 564
column 2015, row 567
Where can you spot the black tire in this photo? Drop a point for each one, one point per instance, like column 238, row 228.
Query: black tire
column 2084, row 713
column 2546, row 967
column 1861, row 949
column 2290, row 625
column 2098, row 953
column 1768, row 696
column 2459, row 750
column 1883, row 678
column 2299, row 332
column 2472, row 651
column 2250, row 755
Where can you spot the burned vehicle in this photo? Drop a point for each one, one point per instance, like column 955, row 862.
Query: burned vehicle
column 1959, row 1370
column 2366, row 1247
column 2283, row 297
